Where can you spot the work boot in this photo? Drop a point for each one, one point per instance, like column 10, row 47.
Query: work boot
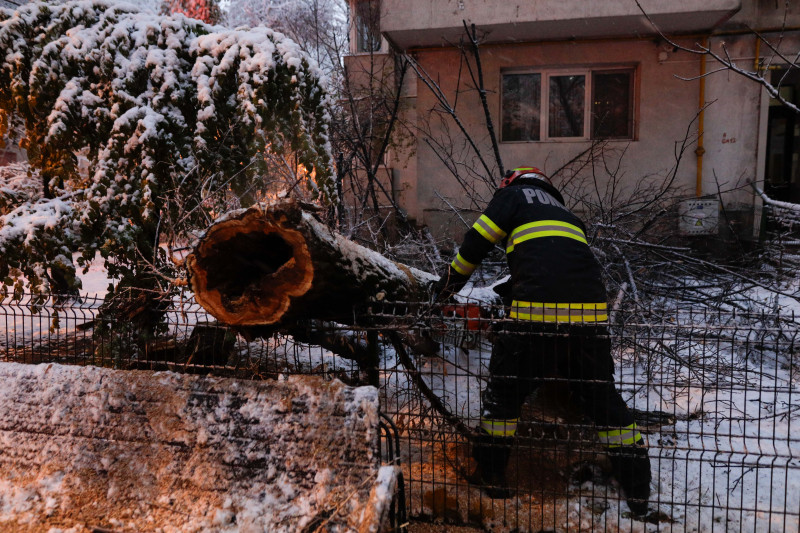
column 491, row 454
column 631, row 467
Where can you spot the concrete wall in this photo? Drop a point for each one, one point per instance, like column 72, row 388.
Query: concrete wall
column 766, row 14
column 434, row 22
column 442, row 13
column 734, row 124
column 372, row 78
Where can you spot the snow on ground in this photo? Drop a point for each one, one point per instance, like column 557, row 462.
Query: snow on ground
column 730, row 462
column 732, row 447
column 21, row 324
column 734, row 393
column 28, row 322
column 95, row 281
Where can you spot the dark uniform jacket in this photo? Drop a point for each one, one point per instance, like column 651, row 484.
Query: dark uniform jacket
column 554, row 274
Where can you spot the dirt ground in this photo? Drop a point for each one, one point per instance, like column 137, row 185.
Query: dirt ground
column 547, row 459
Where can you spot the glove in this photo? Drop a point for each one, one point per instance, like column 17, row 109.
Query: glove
column 503, row 290
column 438, row 290
column 444, row 290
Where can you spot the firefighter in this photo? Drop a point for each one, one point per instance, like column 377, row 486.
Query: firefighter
column 558, row 303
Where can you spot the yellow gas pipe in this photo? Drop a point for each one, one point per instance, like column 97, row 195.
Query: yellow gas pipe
column 700, row 123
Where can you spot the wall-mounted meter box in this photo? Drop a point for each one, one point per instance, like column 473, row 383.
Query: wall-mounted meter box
column 698, row 217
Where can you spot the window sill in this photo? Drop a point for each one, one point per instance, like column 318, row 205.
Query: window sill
column 380, row 52
column 570, row 140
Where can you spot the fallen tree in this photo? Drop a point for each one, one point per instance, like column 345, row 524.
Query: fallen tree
column 188, row 453
column 277, row 264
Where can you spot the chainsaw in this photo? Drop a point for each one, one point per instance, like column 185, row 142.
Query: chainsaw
column 461, row 325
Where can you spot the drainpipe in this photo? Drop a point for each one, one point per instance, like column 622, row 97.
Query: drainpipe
column 757, row 66
column 700, row 122
column 757, row 62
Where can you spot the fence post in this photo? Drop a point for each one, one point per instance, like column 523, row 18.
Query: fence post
column 373, row 358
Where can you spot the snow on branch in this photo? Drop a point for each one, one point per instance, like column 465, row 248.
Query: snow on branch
column 140, row 113
column 788, row 206
column 17, row 186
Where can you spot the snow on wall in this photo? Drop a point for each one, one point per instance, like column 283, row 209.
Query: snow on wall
column 88, row 447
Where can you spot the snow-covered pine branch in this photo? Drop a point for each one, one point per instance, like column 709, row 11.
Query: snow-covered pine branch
column 161, row 113
column 320, row 27
column 17, row 186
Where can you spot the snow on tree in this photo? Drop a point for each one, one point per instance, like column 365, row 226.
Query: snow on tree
column 205, row 10
column 142, row 126
column 320, row 27
column 18, row 185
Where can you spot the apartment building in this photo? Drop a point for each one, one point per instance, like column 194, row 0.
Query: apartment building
column 608, row 95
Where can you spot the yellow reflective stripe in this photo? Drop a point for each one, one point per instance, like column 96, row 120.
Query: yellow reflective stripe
column 535, row 234
column 559, row 312
column 615, row 438
column 462, row 266
column 500, row 428
column 538, row 223
column 545, row 228
column 488, row 229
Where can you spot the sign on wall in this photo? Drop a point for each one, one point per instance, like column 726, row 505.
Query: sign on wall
column 698, row 217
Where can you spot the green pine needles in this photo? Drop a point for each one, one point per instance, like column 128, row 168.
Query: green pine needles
column 140, row 126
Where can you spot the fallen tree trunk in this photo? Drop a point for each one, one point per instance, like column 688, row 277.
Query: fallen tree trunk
column 174, row 452
column 276, row 264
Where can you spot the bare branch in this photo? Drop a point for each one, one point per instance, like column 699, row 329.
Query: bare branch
column 473, row 37
column 447, row 108
column 728, row 63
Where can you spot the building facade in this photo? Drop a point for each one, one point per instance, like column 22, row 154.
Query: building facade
column 612, row 98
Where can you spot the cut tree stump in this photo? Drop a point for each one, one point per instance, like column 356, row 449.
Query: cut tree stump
column 277, row 263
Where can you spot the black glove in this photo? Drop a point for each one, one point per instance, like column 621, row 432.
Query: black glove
column 503, row 290
column 440, row 291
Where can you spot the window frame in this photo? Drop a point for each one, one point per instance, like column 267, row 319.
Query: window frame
column 546, row 73
column 357, row 23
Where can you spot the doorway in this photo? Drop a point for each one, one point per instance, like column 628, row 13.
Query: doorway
column 782, row 175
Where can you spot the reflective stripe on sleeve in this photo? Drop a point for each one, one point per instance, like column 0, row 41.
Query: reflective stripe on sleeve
column 490, row 231
column 615, row 438
column 462, row 266
column 499, row 428
column 559, row 312
column 544, row 228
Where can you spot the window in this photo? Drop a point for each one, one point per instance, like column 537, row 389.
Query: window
column 612, row 105
column 521, row 96
column 566, row 106
column 367, row 26
column 588, row 104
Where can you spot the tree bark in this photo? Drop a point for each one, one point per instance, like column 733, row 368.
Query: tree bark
column 277, row 263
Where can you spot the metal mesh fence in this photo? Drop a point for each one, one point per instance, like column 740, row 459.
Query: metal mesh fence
column 713, row 394
column 189, row 340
